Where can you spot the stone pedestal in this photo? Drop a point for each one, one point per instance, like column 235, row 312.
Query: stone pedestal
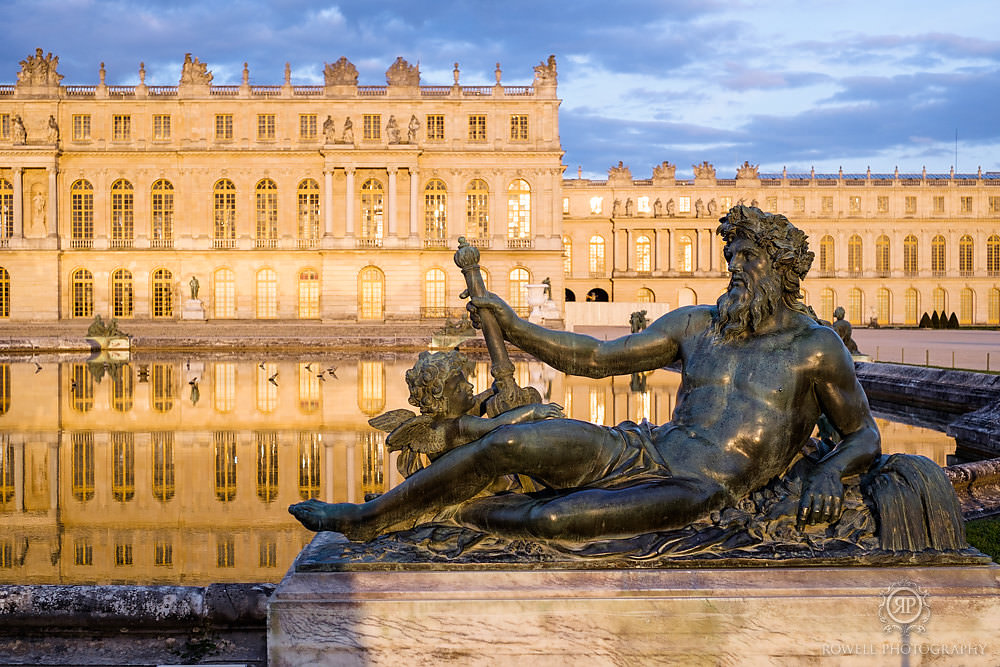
column 740, row 616
column 193, row 310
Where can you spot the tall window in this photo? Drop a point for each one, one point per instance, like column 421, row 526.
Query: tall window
column 224, row 389
column 265, row 127
column 6, row 209
column 163, row 465
column 81, row 204
column 308, row 293
column 965, row 254
column 567, row 244
column 993, row 256
column 83, row 293
column 121, row 293
column 940, row 299
column 855, row 306
column 121, row 127
column 372, row 461
column 225, row 465
column 519, row 210
column 993, row 316
column 267, row 214
column 163, row 293
column 310, row 465
column 371, row 211
column 81, row 127
column 122, row 389
column 645, row 295
column 477, row 214
column 596, row 256
column 308, row 213
column 267, row 465
column 434, row 294
column 966, row 306
column 854, row 250
column 371, row 387
column 371, row 291
column 225, row 214
column 224, row 127
column 8, row 486
column 826, row 299
column 82, row 468
column 4, row 293
column 477, row 127
column 309, row 392
column 912, row 306
column 81, row 388
column 307, row 126
column 161, row 377
column 826, row 256
column 435, row 213
column 643, row 254
column 685, row 254
column 122, row 466
column 224, row 297
column 938, row 247
column 122, row 214
column 267, row 390
column 435, row 127
column 882, row 256
column 4, row 126
column 518, row 127
column 884, row 313
column 519, row 291
column 910, row 256
column 162, row 232
column 371, row 126
column 161, row 127
column 267, row 294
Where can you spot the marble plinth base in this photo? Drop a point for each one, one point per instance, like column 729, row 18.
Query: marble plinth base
column 753, row 616
column 193, row 309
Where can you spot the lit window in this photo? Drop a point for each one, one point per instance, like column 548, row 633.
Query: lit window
column 310, row 465
column 224, row 297
column 912, row 306
column 371, row 291
column 966, row 306
column 161, row 377
column 224, row 390
column 8, row 486
column 965, row 253
column 567, row 244
column 597, row 405
column 643, row 254
column 225, row 465
column 267, row 390
column 161, row 127
column 83, row 293
column 826, row 255
column 596, row 204
column 771, row 203
column 121, row 127
column 225, row 214
column 308, row 294
column 965, row 204
column 122, row 214
column 81, row 127
column 854, row 251
column 477, row 213
column 685, row 254
column 6, row 209
column 309, row 392
column 267, row 294
column 884, row 306
column 224, row 127
column 645, row 295
column 882, row 257
column 519, row 291
column 268, row 553
column 910, row 204
column 372, row 126
column 940, row 299
column 307, row 126
column 566, row 205
column 726, row 203
column 81, row 389
column 993, row 256
column 226, row 552
column 163, row 293
column 642, row 204
column 882, row 203
column 684, row 204
column 4, row 292
column 371, row 387
column 434, row 294
column 83, row 553
column 827, row 204
column 82, row 214
column 123, row 467
column 267, row 214
column 372, row 446
column 265, row 127
column 596, row 256
column 518, row 210
column 477, row 127
column 939, row 204
column 938, row 246
column 163, row 554
column 308, row 213
column 435, row 211
column 82, row 468
column 826, row 300
column 854, row 205
column 121, row 293
column 371, row 210
column 799, row 204
column 855, row 306
column 4, row 126
column 162, row 232
column 435, row 127
column 910, row 256
column 518, row 127
column 993, row 316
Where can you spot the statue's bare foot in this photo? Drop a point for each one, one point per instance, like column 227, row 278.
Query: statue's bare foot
column 343, row 518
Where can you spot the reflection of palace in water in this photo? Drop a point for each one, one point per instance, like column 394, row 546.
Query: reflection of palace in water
column 133, row 474
column 181, row 471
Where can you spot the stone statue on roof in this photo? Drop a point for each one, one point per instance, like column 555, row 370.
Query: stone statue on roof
column 703, row 170
column 39, row 70
column 545, row 73
column 402, row 73
column 621, row 173
column 195, row 72
column 340, row 73
column 747, row 170
column 665, row 172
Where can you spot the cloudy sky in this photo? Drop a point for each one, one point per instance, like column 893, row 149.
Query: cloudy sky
column 824, row 84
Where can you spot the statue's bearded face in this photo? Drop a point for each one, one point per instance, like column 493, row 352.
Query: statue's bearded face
column 753, row 294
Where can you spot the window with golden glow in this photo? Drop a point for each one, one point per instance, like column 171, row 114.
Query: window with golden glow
column 826, row 255
column 82, row 283
column 910, row 255
column 911, row 306
column 267, row 214
column 81, row 127
column 161, row 127
column 854, row 251
column 882, row 256
column 371, row 211
column 267, row 388
column 268, row 553
column 224, row 294
column 163, row 554
column 83, row 552
column 163, row 382
column 266, row 444
column 993, row 256
column 371, row 124
column 4, row 293
column 265, row 127
column 643, row 254
column 993, row 316
column 596, row 405
column 435, row 127
column 371, row 387
column 309, row 391
column 307, row 126
column 308, row 293
column 225, row 550
column 518, row 296
column 910, row 205
column 223, row 127
column 477, row 127
column 826, row 304
column 884, row 306
column 518, row 127
column 938, row 247
column 267, row 294
column 435, row 212
column 224, row 388
column 122, row 466
column 121, row 293
column 82, row 465
column 519, row 210
column 7, row 464
column 434, row 294
column 122, row 214
column 81, row 205
column 685, row 254
column 567, row 244
column 966, row 248
column 81, row 388
column 308, row 195
column 477, row 213
column 225, row 214
column 4, row 126
column 4, row 388
column 162, row 209
column 6, row 209
column 122, row 389
column 372, row 445
column 645, row 295
column 371, row 294
column 121, row 127
column 966, row 306
column 310, row 465
column 940, row 300
column 224, row 443
column 854, row 205
column 163, row 293
column 596, row 256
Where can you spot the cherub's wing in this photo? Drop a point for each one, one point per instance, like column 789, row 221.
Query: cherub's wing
column 388, row 421
column 418, row 434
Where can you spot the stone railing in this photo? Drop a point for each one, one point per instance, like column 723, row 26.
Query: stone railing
column 9, row 90
column 6, row 90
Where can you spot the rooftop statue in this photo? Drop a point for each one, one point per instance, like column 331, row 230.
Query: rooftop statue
column 39, row 70
column 545, row 73
column 195, row 72
column 620, row 173
column 341, row 73
column 665, row 172
column 747, row 170
column 735, row 466
column 402, row 73
column 703, row 170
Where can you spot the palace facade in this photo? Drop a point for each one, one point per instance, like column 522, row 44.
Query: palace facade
column 344, row 202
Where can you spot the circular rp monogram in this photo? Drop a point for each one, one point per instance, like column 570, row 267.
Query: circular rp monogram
column 904, row 605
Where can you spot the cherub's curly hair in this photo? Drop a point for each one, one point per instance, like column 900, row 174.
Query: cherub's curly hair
column 785, row 244
column 427, row 378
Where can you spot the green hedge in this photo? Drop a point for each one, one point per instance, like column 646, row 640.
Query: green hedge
column 984, row 534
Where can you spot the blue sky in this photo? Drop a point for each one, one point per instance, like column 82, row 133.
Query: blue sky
column 824, row 84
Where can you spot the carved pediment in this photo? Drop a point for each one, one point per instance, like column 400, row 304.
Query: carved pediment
column 545, row 73
column 703, row 170
column 194, row 72
column 402, row 73
column 665, row 171
column 747, row 171
column 39, row 70
column 341, row 73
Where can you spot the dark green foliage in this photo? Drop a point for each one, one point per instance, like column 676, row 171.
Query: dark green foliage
column 935, row 321
column 984, row 534
column 925, row 321
column 952, row 321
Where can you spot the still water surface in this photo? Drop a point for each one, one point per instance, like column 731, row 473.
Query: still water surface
column 179, row 470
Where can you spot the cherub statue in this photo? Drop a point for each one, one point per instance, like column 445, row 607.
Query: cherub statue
column 449, row 412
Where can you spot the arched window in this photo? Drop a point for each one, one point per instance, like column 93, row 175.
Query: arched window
column 163, row 465
column 225, row 465
column 826, row 301
column 122, row 214
column 884, row 313
column 6, row 209
column 267, row 294
column 4, row 293
column 855, row 306
column 371, row 212
column 826, row 257
column 121, row 293
column 597, row 265
column 518, row 296
column 910, row 256
column 477, row 209
column 686, row 297
column 371, row 294
column 882, row 261
column 966, row 306
column 267, row 214
column 82, row 468
column 308, row 214
column 225, row 214
column 161, row 377
column 567, row 244
column 645, row 295
column 643, row 254
column 310, row 465
column 371, row 387
column 685, row 254
column 854, row 251
column 267, row 465
column 224, row 389
column 122, row 466
column 163, row 293
column 938, row 247
column 81, row 388
column 309, row 392
column 912, row 309
column 435, row 213
column 224, row 297
column 81, row 207
column 122, row 389
column 993, row 316
column 308, row 293
column 434, row 294
column 966, row 248
column 940, row 299
column 993, row 256
column 161, row 233
column 519, row 210
column 82, row 282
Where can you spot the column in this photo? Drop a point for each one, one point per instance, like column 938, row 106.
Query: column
column 352, row 477
column 390, row 203
column 415, row 199
column 349, row 208
column 18, row 464
column 654, row 259
column 672, row 249
column 328, row 471
column 18, row 203
column 328, row 202
column 53, row 212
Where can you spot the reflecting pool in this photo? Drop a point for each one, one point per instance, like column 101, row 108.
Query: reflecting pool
column 178, row 470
